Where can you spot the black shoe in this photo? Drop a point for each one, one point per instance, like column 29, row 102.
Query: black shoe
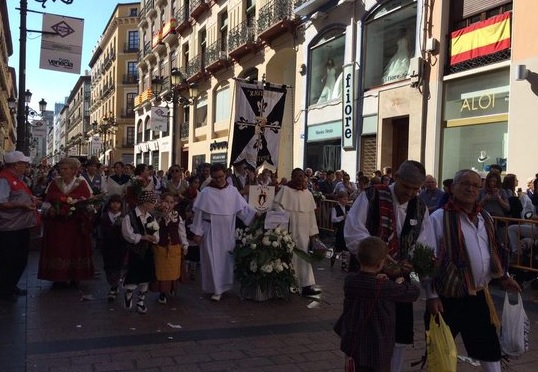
column 112, row 294
column 310, row 291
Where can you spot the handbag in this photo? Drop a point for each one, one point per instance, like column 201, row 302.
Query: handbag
column 318, row 249
column 515, row 327
column 442, row 355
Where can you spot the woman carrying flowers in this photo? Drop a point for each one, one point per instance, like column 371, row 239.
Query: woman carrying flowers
column 140, row 230
column 168, row 252
column 66, row 255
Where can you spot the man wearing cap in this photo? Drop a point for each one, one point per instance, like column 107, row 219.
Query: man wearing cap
column 18, row 214
column 395, row 214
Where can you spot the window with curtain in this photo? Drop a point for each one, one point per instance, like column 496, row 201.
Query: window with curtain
column 222, row 103
column 201, row 112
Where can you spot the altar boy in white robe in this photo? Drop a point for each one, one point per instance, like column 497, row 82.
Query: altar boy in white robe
column 298, row 201
column 215, row 210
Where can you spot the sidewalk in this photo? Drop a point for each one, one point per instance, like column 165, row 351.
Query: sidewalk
column 77, row 330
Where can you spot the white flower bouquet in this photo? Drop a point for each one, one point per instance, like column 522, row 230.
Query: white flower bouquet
column 263, row 260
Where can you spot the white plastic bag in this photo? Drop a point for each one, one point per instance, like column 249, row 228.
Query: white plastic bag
column 515, row 327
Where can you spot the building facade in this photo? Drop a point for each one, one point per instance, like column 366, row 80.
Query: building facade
column 7, row 86
column 78, row 118
column 114, row 78
column 209, row 44
column 448, row 83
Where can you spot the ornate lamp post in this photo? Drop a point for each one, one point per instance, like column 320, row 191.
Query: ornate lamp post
column 174, row 97
column 106, row 128
column 23, row 130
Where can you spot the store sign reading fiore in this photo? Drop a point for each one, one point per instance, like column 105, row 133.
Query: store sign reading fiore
column 348, row 107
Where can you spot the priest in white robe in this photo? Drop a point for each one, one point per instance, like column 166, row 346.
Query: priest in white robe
column 298, row 201
column 215, row 210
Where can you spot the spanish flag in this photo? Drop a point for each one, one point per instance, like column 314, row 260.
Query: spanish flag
column 480, row 39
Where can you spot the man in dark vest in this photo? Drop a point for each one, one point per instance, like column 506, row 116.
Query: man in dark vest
column 395, row 214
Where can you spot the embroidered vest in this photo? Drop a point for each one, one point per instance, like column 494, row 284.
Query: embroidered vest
column 168, row 233
column 380, row 221
column 454, row 275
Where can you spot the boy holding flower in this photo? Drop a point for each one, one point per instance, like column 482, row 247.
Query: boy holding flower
column 141, row 231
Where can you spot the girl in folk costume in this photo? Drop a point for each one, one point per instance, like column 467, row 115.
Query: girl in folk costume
column 141, row 231
column 168, row 252
column 112, row 244
column 66, row 255
column 338, row 218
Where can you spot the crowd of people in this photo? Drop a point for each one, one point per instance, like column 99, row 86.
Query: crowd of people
column 153, row 229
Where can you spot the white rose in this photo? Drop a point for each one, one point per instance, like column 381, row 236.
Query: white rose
column 267, row 268
column 275, row 244
column 266, row 241
column 253, row 245
column 253, row 266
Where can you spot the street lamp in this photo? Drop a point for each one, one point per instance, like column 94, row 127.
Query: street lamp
column 107, row 126
column 177, row 83
column 23, row 131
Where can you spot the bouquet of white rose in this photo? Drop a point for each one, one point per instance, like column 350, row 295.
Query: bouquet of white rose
column 263, row 260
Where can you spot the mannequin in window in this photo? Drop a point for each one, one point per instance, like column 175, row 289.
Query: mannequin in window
column 329, row 78
column 398, row 66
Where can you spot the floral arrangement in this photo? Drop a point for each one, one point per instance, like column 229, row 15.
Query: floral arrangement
column 152, row 226
column 318, row 196
column 263, row 260
column 68, row 206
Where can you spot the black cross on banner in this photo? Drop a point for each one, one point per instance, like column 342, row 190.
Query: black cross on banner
column 259, row 109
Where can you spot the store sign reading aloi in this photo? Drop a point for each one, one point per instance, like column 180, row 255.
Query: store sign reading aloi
column 483, row 102
column 348, row 107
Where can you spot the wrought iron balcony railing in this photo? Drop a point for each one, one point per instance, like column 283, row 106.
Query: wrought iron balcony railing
column 216, row 52
column 195, row 65
column 241, row 34
column 274, row 12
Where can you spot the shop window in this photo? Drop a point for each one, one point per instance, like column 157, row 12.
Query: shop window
column 389, row 42
column 222, row 103
column 326, row 60
column 474, row 146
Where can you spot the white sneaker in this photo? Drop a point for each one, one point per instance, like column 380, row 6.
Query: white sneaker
column 216, row 297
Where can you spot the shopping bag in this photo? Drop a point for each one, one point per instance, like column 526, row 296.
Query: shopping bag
column 441, row 348
column 515, row 327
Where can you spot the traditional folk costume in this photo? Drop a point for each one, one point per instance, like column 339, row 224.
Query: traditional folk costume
column 300, row 204
column 367, row 324
column 117, row 184
column 140, row 266
column 67, row 249
column 468, row 257
column 168, row 254
column 15, row 225
column 377, row 212
column 113, row 247
column 215, row 210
